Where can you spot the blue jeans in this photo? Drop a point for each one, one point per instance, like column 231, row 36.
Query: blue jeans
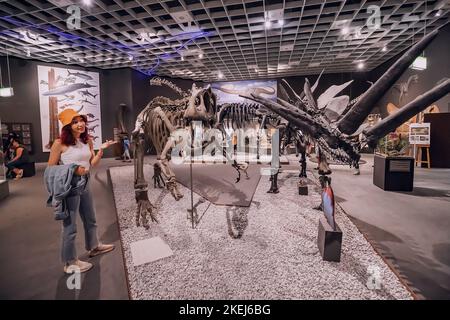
column 83, row 204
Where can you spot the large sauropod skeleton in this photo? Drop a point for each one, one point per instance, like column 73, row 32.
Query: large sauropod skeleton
column 335, row 126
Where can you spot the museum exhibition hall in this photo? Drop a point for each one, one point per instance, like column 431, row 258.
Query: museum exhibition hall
column 225, row 150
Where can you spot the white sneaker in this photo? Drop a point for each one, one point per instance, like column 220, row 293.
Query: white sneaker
column 77, row 266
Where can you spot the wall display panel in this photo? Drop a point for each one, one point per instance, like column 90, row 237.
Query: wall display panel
column 23, row 130
column 61, row 88
column 228, row 92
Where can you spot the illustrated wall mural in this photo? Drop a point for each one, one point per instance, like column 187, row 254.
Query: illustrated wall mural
column 61, row 88
column 228, row 92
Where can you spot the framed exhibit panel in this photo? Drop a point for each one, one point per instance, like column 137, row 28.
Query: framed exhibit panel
column 419, row 133
column 61, row 88
column 23, row 130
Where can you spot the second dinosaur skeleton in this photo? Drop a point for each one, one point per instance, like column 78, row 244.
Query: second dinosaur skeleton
column 337, row 137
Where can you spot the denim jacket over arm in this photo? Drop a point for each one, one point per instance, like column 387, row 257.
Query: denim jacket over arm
column 62, row 183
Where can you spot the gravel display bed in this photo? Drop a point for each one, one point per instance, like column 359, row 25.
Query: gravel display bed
column 265, row 251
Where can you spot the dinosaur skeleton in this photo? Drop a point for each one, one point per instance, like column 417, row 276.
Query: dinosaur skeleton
column 336, row 138
column 157, row 124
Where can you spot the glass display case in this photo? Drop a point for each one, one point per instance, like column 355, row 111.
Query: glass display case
column 394, row 145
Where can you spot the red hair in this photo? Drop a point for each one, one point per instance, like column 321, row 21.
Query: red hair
column 68, row 139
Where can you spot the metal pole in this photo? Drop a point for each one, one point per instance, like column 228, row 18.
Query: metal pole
column 192, row 189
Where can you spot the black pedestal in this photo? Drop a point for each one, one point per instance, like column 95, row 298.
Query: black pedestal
column 329, row 241
column 393, row 173
column 303, row 190
column 4, row 189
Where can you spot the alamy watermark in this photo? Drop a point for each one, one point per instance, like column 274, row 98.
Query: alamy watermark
column 73, row 281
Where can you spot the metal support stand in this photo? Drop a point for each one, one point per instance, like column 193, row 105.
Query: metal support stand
column 191, row 177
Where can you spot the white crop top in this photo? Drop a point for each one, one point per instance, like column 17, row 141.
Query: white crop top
column 79, row 154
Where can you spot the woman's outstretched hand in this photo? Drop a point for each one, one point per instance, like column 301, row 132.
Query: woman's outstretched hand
column 107, row 144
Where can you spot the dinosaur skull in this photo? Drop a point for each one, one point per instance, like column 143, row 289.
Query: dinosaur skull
column 201, row 105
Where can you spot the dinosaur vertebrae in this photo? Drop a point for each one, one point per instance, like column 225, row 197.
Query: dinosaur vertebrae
column 160, row 82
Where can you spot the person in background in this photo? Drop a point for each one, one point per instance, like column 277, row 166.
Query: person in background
column 126, row 148
column 20, row 158
column 75, row 146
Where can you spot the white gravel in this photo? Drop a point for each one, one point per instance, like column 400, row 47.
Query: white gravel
column 275, row 256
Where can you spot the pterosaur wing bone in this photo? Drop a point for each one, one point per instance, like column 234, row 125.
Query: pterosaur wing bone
column 309, row 96
column 337, row 106
column 356, row 115
column 419, row 104
column 292, row 90
column 314, row 87
column 330, row 93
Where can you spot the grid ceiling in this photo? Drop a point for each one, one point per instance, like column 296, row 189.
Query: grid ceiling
column 166, row 37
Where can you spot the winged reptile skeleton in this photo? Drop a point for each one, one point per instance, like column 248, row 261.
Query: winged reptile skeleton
column 335, row 124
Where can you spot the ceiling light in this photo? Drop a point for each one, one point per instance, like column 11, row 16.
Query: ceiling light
column 6, row 92
column 281, row 22
column 130, row 58
column 384, row 49
column 182, row 58
column 220, row 75
column 82, row 60
column 28, row 52
column 200, row 56
column 345, row 30
column 268, row 24
column 87, row 2
column 419, row 64
column 438, row 14
column 360, row 65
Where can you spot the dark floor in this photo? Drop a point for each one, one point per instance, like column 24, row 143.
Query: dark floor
column 411, row 229
column 30, row 266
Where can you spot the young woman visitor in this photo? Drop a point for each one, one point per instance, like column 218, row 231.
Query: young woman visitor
column 74, row 149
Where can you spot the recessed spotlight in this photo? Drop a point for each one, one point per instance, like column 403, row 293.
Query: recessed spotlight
column 360, row 65
column 384, row 49
column 268, row 24
column 201, row 56
column 281, row 22
column 345, row 30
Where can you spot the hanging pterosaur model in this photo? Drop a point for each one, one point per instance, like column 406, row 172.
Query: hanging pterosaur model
column 335, row 124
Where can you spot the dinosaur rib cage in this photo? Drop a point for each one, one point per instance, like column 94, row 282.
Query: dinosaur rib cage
column 154, row 126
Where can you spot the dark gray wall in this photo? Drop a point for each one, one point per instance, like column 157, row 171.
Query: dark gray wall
column 438, row 59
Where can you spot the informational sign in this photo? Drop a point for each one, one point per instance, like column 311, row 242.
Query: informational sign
column 62, row 88
column 419, row 133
